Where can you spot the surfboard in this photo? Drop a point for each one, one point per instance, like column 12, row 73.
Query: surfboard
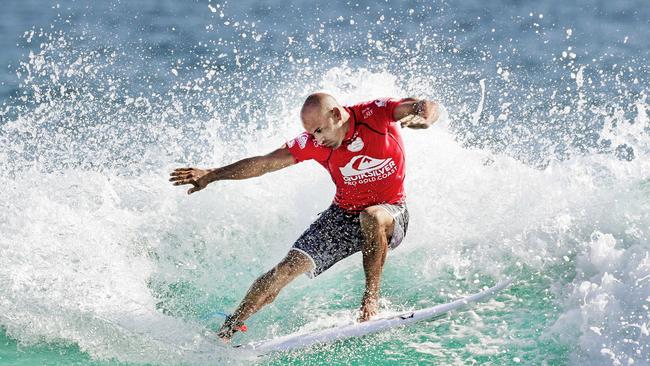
column 302, row 340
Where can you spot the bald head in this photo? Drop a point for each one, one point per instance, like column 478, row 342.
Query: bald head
column 318, row 105
column 325, row 118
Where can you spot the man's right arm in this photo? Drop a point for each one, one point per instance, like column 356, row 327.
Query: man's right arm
column 243, row 169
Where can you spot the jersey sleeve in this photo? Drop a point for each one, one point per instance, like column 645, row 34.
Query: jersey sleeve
column 304, row 147
column 377, row 113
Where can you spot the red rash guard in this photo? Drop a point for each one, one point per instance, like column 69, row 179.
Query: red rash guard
column 368, row 168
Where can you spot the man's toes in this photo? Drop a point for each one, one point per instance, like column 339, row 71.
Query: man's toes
column 366, row 314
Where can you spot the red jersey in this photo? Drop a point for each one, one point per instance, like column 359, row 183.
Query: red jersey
column 368, row 168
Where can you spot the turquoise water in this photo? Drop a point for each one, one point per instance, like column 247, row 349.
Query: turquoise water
column 480, row 334
column 538, row 171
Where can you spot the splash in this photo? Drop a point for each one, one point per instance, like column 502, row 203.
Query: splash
column 98, row 250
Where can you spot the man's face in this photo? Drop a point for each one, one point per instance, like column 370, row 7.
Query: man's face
column 326, row 127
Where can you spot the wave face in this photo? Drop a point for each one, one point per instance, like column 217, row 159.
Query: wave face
column 538, row 170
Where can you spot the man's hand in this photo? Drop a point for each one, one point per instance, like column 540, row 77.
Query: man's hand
column 196, row 177
column 417, row 114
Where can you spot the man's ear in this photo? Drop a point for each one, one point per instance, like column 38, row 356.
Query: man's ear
column 337, row 114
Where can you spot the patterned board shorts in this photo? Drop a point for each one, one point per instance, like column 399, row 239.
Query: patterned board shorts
column 336, row 235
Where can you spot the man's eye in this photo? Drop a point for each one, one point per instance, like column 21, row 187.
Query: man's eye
column 318, row 130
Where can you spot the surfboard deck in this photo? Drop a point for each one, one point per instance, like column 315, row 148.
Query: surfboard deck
column 306, row 339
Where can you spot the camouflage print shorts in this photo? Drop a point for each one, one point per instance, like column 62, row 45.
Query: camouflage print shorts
column 336, row 235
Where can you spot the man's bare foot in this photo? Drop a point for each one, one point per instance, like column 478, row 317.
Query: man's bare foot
column 230, row 326
column 225, row 334
column 369, row 305
column 224, row 340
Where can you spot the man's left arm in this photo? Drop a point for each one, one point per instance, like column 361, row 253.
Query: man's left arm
column 416, row 113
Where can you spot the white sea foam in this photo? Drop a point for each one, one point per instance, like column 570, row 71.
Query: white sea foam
column 83, row 248
column 473, row 209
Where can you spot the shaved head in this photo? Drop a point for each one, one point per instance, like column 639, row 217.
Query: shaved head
column 318, row 104
column 323, row 117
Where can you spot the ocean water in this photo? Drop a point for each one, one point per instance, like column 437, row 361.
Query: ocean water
column 539, row 170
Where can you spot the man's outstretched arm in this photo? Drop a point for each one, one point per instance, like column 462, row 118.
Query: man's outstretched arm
column 243, row 169
column 416, row 113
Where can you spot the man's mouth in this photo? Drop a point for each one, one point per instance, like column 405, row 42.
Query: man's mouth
column 329, row 144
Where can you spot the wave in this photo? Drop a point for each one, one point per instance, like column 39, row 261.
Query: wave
column 99, row 250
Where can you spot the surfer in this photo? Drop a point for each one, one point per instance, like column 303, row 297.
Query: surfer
column 361, row 148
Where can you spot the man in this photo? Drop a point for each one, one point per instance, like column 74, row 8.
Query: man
column 362, row 149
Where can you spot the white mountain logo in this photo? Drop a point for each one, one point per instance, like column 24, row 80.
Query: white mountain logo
column 362, row 164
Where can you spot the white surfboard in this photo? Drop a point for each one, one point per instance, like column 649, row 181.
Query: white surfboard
column 302, row 340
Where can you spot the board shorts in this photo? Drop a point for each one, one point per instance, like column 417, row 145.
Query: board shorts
column 336, row 234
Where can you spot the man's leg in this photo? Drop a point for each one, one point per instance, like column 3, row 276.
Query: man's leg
column 377, row 226
column 264, row 290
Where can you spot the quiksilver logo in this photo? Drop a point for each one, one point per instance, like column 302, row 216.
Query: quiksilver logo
column 365, row 169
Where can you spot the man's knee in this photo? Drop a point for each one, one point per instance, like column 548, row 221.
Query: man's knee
column 376, row 218
column 292, row 265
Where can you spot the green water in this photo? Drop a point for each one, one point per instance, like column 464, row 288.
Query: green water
column 509, row 330
column 505, row 330
column 12, row 353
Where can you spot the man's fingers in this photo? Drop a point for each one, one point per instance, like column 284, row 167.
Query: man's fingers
column 180, row 171
column 413, row 121
column 181, row 177
column 404, row 122
column 180, row 182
